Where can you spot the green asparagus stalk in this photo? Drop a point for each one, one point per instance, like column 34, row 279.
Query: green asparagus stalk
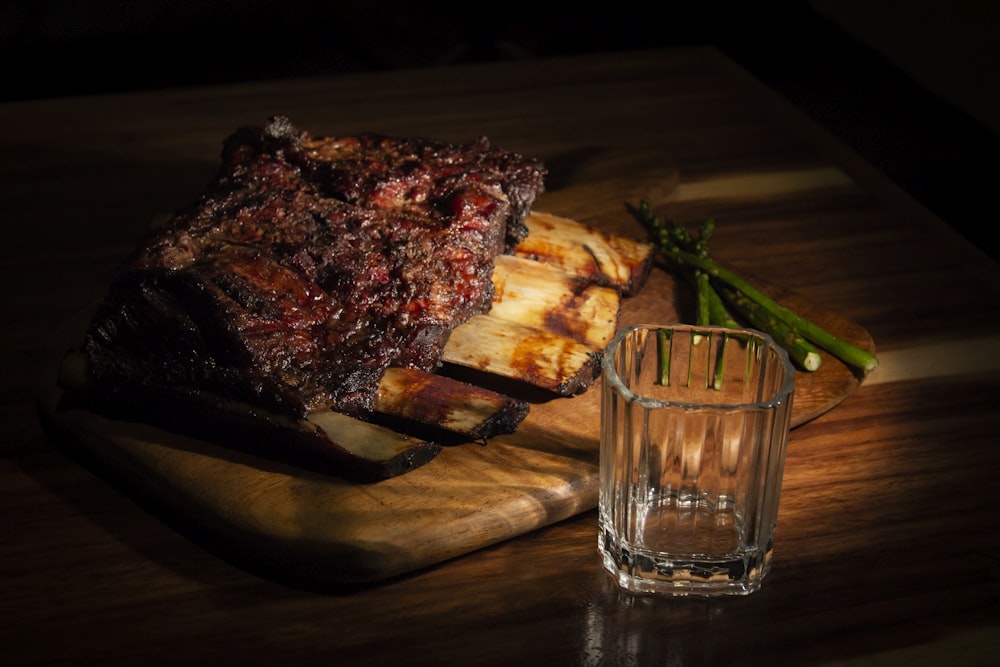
column 664, row 346
column 802, row 353
column 675, row 244
column 718, row 313
column 841, row 349
column 703, row 284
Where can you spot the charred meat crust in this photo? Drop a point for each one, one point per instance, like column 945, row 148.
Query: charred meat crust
column 384, row 173
column 311, row 265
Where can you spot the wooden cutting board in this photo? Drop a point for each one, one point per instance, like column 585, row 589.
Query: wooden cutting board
column 287, row 521
column 291, row 522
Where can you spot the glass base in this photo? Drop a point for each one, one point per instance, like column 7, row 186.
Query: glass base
column 640, row 572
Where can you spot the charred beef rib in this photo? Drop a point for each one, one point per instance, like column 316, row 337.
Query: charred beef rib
column 318, row 281
column 311, row 266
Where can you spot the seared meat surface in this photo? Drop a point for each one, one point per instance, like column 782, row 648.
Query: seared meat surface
column 310, row 266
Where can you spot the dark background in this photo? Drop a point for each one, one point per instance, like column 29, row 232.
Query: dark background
column 908, row 85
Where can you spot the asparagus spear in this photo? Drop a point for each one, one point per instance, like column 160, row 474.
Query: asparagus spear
column 664, row 347
column 677, row 246
column 802, row 353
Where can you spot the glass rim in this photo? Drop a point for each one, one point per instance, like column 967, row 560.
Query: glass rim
column 777, row 398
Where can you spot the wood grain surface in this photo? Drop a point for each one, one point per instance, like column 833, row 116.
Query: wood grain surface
column 887, row 538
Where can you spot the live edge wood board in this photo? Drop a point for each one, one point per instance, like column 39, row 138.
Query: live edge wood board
column 290, row 522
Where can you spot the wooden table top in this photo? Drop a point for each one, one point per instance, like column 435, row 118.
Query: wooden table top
column 886, row 546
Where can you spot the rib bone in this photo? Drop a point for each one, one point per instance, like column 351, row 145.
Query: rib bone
column 444, row 403
column 546, row 297
column 587, row 252
column 516, row 351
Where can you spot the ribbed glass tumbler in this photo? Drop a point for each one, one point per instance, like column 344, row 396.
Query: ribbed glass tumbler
column 694, row 429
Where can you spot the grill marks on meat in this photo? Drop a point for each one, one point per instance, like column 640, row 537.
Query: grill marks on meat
column 384, row 173
column 311, row 265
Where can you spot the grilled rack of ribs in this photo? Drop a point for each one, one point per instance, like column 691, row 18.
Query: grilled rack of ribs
column 311, row 266
column 312, row 295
